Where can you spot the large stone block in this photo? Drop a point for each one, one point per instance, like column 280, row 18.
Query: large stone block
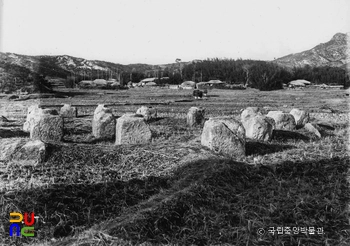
column 301, row 116
column 310, row 128
column 67, row 111
column 259, row 127
column 224, row 135
column 132, row 129
column 148, row 113
column 47, row 128
column 32, row 117
column 195, row 116
column 8, row 146
column 22, row 151
column 103, row 123
column 250, row 112
column 283, row 121
column 31, row 154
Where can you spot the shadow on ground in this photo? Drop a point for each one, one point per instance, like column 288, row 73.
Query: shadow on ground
column 13, row 132
column 286, row 135
column 210, row 201
column 260, row 148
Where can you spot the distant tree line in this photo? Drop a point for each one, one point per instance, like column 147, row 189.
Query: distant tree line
column 322, row 75
column 257, row 74
column 261, row 74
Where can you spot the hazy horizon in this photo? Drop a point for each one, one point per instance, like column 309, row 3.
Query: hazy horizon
column 158, row 32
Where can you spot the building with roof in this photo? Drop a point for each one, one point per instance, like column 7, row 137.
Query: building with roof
column 100, row 82
column 147, row 80
column 150, row 84
column 299, row 83
column 188, row 85
column 211, row 84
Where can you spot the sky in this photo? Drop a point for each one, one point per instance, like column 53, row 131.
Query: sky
column 160, row 31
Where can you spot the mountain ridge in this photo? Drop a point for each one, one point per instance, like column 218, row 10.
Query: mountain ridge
column 333, row 53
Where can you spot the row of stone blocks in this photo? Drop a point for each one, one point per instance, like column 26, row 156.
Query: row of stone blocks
column 47, row 124
column 128, row 129
column 227, row 135
column 222, row 134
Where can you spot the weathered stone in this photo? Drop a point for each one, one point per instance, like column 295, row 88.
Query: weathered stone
column 67, row 111
column 47, row 128
column 259, row 127
column 283, row 121
column 301, row 116
column 195, row 116
column 32, row 116
column 148, row 113
column 103, row 123
column 274, row 112
column 22, row 151
column 250, row 112
column 224, row 135
column 271, row 121
column 8, row 146
column 310, row 128
column 132, row 129
column 31, row 154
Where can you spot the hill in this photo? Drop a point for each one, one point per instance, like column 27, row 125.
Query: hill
column 15, row 69
column 333, row 53
column 64, row 65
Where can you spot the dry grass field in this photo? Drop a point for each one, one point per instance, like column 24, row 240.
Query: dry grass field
column 173, row 191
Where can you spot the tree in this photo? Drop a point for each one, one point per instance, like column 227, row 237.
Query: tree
column 40, row 84
column 70, row 81
column 178, row 60
column 266, row 76
column 246, row 68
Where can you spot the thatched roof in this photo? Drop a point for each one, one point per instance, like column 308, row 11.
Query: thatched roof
column 300, row 82
column 188, row 84
column 296, row 83
column 86, row 82
column 148, row 80
column 115, row 84
column 150, row 84
column 100, row 82
column 215, row 81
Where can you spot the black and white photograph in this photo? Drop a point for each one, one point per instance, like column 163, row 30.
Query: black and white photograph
column 173, row 122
